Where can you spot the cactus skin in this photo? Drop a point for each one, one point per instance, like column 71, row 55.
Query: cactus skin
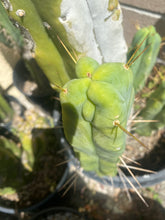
column 9, row 35
column 10, row 157
column 42, row 21
column 6, row 112
column 90, row 105
column 144, row 64
column 154, row 110
column 45, row 52
column 49, row 12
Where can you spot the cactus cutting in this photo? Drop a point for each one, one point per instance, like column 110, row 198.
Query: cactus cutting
column 90, row 113
column 100, row 102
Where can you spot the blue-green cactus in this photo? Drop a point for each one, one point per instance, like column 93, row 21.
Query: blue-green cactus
column 91, row 105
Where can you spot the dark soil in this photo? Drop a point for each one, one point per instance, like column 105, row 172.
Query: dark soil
column 43, row 182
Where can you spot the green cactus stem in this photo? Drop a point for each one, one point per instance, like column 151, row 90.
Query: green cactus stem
column 90, row 107
column 6, row 112
column 9, row 35
column 11, row 169
column 161, row 120
column 45, row 52
column 144, row 64
column 45, row 24
column 22, row 127
column 154, row 110
column 50, row 12
column 21, row 150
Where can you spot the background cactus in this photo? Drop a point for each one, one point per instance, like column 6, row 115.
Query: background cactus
column 141, row 69
column 25, row 13
column 9, row 35
column 6, row 111
column 18, row 147
column 144, row 64
column 10, row 154
column 29, row 158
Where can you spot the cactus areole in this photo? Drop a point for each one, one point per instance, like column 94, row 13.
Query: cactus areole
column 92, row 106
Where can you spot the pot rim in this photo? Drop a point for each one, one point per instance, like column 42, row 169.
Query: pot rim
column 42, row 202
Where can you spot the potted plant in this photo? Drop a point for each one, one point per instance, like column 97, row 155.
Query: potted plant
column 85, row 59
column 30, row 153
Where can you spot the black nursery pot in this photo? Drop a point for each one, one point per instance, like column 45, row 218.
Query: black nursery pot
column 59, row 213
